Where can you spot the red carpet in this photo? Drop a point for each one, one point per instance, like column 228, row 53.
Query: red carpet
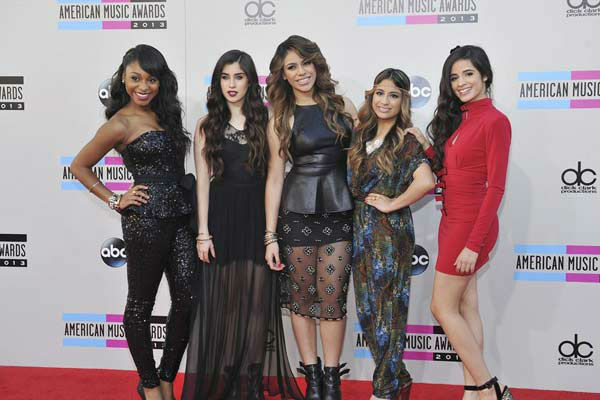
column 20, row 383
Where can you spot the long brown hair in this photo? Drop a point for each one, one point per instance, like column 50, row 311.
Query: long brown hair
column 281, row 94
column 219, row 115
column 367, row 127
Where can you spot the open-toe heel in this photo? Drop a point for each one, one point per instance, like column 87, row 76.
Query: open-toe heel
column 493, row 383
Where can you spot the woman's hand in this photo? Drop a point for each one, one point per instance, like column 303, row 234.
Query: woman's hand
column 416, row 132
column 135, row 196
column 204, row 248
column 465, row 262
column 272, row 257
column 380, row 202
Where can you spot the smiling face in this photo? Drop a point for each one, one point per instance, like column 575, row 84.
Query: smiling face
column 139, row 85
column 301, row 74
column 467, row 82
column 234, row 82
column 387, row 100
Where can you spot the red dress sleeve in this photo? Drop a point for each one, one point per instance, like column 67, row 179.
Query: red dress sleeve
column 430, row 153
column 497, row 145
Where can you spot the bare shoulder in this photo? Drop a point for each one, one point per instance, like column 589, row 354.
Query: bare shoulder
column 116, row 128
column 349, row 106
column 199, row 132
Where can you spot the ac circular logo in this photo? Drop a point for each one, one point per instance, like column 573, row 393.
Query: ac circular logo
column 420, row 261
column 420, row 91
column 575, row 4
column 113, row 253
column 104, row 92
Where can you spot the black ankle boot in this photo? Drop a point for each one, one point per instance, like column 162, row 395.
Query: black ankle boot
column 255, row 384
column 314, row 379
column 331, row 382
column 232, row 384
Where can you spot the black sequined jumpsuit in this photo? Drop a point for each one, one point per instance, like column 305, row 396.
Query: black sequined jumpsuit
column 157, row 239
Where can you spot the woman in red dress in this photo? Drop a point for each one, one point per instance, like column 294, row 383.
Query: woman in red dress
column 471, row 141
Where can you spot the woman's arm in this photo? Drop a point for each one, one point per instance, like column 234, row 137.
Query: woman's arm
column 204, row 244
column 274, row 186
column 351, row 109
column 108, row 137
column 422, row 183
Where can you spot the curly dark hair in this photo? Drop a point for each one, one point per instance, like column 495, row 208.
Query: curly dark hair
column 254, row 109
column 166, row 104
column 447, row 116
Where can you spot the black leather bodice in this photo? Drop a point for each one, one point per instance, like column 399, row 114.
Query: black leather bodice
column 153, row 161
column 317, row 181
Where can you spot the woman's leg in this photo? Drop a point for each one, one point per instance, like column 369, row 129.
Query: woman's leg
column 180, row 269
column 469, row 309
column 301, row 265
column 448, row 290
column 146, row 250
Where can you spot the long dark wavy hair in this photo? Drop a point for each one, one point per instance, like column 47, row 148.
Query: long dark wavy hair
column 447, row 116
column 282, row 99
column 367, row 127
column 254, row 110
column 166, row 104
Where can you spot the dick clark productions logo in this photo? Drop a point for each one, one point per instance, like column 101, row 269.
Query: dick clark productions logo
column 576, row 352
column 579, row 180
column 113, row 253
column 260, row 12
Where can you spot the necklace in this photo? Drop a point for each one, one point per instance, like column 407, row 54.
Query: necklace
column 373, row 145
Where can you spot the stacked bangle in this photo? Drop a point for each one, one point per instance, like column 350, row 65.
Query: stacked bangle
column 204, row 238
column 94, row 185
column 270, row 237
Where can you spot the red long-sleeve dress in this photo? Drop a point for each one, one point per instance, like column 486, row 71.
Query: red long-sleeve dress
column 472, row 183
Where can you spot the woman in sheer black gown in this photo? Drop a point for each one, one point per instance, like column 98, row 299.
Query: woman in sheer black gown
column 237, row 347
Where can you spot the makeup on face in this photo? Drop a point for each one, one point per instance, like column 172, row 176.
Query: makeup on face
column 387, row 100
column 466, row 81
column 234, row 83
column 299, row 72
column 141, row 87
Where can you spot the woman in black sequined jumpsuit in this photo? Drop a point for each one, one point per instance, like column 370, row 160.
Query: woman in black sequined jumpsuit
column 144, row 125
column 237, row 347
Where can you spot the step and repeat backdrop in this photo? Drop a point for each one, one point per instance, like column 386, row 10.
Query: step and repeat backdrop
column 62, row 263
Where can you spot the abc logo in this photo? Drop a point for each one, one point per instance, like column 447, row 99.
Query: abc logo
column 259, row 9
column 420, row 261
column 420, row 91
column 104, row 92
column 575, row 348
column 112, row 252
column 572, row 176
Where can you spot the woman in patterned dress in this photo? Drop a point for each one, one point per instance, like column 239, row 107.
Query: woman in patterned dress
column 388, row 172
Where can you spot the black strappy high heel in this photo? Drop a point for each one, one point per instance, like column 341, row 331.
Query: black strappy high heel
column 493, row 383
column 140, row 390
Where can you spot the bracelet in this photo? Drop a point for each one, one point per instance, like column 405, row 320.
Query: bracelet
column 268, row 242
column 268, row 231
column 91, row 187
column 113, row 202
column 206, row 239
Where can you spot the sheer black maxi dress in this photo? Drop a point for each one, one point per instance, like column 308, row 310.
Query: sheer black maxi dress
column 237, row 345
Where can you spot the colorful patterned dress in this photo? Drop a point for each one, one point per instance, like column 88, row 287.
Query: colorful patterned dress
column 381, row 264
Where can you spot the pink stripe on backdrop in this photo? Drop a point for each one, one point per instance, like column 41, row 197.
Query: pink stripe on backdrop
column 116, row 1
column 421, row 19
column 116, row 24
column 418, row 355
column 114, row 318
column 593, row 278
column 119, row 186
column 419, row 329
column 262, row 79
column 594, row 250
column 578, row 75
column 121, row 344
column 113, row 161
column 586, row 103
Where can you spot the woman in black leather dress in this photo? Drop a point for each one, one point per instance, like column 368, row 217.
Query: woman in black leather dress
column 311, row 210
column 236, row 337
column 144, row 125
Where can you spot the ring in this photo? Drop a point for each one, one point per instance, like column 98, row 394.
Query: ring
column 134, row 192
